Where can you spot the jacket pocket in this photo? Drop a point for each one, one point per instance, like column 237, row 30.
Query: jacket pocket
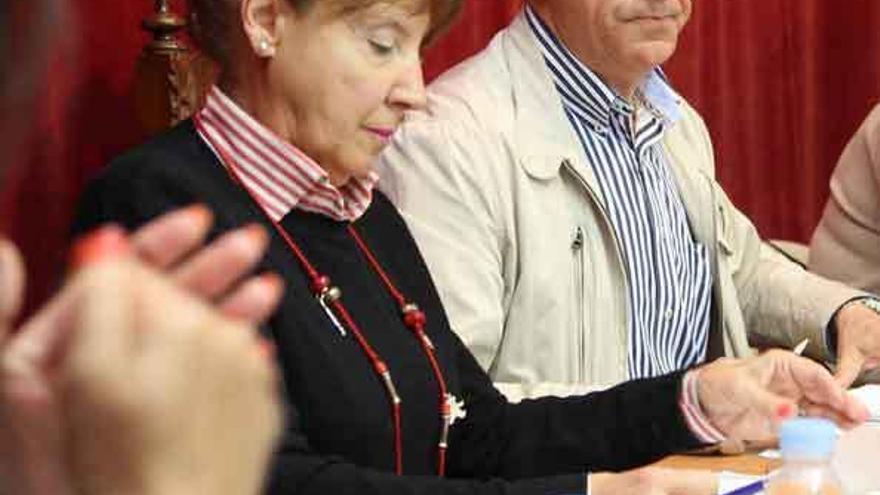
column 579, row 275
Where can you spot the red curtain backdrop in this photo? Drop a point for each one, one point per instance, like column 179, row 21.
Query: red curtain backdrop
column 782, row 84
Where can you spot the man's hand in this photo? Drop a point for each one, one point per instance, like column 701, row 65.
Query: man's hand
column 746, row 399
column 655, row 481
column 858, row 342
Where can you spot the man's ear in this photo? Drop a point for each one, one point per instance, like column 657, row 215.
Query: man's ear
column 262, row 22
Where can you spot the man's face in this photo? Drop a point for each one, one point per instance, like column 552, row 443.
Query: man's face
column 620, row 36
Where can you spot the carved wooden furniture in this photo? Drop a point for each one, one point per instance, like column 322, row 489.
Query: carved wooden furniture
column 171, row 77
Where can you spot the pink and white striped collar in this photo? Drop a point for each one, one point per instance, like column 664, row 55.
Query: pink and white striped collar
column 278, row 175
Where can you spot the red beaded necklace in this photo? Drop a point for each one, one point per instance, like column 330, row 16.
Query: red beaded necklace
column 330, row 297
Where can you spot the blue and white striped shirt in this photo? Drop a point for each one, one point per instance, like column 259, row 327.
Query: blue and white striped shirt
column 669, row 279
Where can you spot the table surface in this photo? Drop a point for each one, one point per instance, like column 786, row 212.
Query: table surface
column 749, row 463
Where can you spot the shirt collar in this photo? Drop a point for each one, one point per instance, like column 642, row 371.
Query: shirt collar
column 278, row 175
column 584, row 93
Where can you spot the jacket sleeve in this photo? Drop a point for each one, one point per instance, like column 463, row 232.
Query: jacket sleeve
column 844, row 245
column 780, row 302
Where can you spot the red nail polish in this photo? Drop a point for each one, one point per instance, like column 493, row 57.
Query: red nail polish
column 256, row 233
column 266, row 349
column 785, row 411
column 107, row 242
column 200, row 214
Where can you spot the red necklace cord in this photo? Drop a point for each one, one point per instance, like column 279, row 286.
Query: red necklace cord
column 412, row 316
column 415, row 320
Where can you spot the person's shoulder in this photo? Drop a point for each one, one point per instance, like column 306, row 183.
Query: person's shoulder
column 871, row 126
column 866, row 138
column 477, row 89
column 381, row 207
column 174, row 153
column 165, row 150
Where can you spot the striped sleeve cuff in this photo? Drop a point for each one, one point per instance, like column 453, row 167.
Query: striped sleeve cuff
column 696, row 419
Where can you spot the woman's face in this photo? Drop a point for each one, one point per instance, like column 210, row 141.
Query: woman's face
column 346, row 80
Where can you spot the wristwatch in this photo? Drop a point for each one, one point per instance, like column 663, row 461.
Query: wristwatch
column 872, row 303
column 869, row 302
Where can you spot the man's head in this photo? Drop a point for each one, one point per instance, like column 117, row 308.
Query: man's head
column 621, row 40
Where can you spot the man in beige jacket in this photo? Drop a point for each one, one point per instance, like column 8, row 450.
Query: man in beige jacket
column 564, row 197
column 846, row 244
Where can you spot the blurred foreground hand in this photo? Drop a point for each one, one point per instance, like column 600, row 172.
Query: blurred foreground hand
column 160, row 394
column 149, row 385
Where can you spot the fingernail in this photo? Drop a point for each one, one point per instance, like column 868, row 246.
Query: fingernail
column 256, row 233
column 785, row 411
column 266, row 348
column 272, row 282
column 107, row 242
column 199, row 213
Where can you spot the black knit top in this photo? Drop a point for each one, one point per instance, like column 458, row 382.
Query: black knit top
column 339, row 437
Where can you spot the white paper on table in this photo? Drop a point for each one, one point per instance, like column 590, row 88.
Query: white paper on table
column 870, row 396
column 729, row 481
column 857, row 459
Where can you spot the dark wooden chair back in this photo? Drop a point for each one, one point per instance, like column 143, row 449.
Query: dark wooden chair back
column 171, row 77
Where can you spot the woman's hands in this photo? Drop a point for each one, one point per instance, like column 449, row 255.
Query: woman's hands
column 746, row 399
column 34, row 362
column 159, row 393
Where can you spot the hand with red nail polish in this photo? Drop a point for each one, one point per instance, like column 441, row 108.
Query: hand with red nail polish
column 114, row 385
column 155, row 388
column 218, row 271
column 747, row 399
column 106, row 243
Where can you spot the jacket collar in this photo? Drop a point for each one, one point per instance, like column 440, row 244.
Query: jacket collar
column 546, row 147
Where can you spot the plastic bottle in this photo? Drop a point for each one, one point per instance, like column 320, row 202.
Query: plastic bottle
column 807, row 445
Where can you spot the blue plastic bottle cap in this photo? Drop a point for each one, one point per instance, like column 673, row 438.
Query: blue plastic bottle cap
column 807, row 438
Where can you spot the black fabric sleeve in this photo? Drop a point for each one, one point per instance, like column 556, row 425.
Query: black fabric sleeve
column 627, row 426
column 513, row 449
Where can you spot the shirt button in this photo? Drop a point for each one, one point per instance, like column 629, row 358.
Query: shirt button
column 668, row 314
column 323, row 180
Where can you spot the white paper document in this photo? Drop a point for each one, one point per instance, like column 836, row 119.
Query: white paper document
column 857, row 459
column 870, row 396
column 729, row 481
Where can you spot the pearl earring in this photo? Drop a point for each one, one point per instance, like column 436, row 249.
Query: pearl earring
column 263, row 48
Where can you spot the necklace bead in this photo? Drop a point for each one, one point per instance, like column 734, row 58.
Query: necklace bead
column 320, row 284
column 414, row 318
